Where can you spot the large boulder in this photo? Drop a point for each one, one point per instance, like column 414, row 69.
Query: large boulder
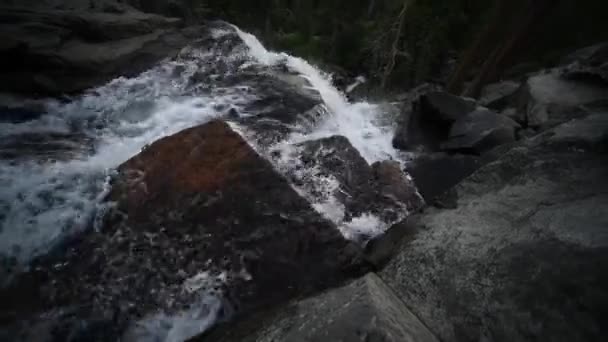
column 198, row 216
column 364, row 310
column 498, row 95
column 480, row 131
column 523, row 255
column 445, row 108
column 53, row 52
column 588, row 64
column 435, row 173
column 382, row 190
column 429, row 119
column 547, row 99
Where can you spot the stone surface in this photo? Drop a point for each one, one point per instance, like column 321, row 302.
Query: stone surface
column 588, row 64
column 428, row 121
column 196, row 213
column 445, row 108
column 435, row 173
column 497, row 96
column 480, row 131
column 382, row 189
column 523, row 255
column 545, row 96
column 364, row 310
column 52, row 52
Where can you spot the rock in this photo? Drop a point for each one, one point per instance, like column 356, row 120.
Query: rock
column 523, row 255
column 394, row 183
column 382, row 189
column 435, row 173
column 589, row 64
column 364, row 310
column 444, row 108
column 591, row 74
column 428, row 121
column 592, row 55
column 498, row 95
column 196, row 214
column 544, row 98
column 480, row 131
column 513, row 114
column 53, row 52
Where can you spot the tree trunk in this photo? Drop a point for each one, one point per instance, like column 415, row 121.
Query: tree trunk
column 502, row 56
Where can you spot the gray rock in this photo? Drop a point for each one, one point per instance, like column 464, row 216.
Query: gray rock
column 427, row 122
column 445, row 108
column 382, row 189
column 546, row 97
column 480, row 131
column 498, row 95
column 364, row 310
column 53, row 52
column 435, row 173
column 593, row 55
column 523, row 256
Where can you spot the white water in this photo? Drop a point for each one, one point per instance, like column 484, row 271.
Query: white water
column 360, row 122
column 44, row 200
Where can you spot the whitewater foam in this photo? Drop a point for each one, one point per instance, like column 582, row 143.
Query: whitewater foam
column 43, row 200
column 361, row 123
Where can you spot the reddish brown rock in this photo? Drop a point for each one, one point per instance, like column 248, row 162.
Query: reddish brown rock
column 200, row 200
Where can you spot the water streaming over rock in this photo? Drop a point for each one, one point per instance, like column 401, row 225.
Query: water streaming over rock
column 55, row 167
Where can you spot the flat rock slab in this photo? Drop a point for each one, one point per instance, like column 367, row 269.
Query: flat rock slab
column 197, row 206
column 523, row 256
column 364, row 310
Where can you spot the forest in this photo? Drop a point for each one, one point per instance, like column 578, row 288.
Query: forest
column 402, row 43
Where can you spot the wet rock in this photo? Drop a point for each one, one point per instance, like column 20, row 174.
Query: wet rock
column 382, row 189
column 435, row 173
column 480, row 131
column 197, row 213
column 546, row 98
column 364, row 310
column 52, row 52
column 428, row 121
column 522, row 256
column 281, row 107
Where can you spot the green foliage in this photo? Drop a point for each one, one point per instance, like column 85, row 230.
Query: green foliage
column 360, row 35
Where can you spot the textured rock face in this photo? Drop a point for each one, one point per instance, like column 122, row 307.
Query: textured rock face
column 54, row 52
column 547, row 99
column 365, row 310
column 435, row 173
column 429, row 120
column 589, row 64
column 498, row 95
column 479, row 131
column 191, row 207
column 523, row 255
column 445, row 108
column 381, row 189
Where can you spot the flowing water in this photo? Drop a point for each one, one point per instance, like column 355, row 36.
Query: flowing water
column 55, row 168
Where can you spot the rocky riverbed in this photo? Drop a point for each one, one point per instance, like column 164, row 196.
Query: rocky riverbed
column 218, row 191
